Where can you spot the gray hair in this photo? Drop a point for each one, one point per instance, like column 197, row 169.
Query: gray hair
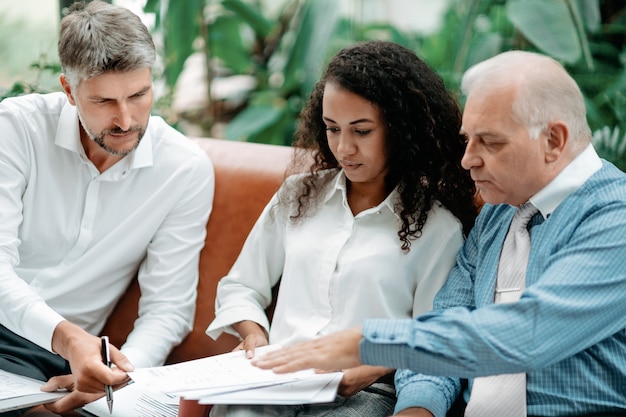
column 97, row 38
column 545, row 92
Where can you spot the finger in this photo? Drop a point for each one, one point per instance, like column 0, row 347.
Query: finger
column 282, row 365
column 122, row 385
column 104, row 376
column 267, row 362
column 71, row 402
column 277, row 356
column 288, row 368
column 58, row 382
column 120, row 360
column 326, row 371
column 280, row 356
column 249, row 345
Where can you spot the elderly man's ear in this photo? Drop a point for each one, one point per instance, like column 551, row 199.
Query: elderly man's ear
column 557, row 137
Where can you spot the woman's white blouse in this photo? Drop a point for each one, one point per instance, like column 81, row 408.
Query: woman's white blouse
column 335, row 269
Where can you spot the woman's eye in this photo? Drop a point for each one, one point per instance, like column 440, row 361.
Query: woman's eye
column 362, row 132
column 332, row 129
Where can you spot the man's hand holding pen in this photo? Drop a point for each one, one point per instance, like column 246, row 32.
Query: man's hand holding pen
column 89, row 373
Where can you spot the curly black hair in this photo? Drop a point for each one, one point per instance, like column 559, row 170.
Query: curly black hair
column 422, row 122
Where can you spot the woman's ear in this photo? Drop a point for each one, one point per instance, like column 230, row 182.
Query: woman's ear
column 556, row 142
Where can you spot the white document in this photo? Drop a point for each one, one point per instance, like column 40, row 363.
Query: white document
column 18, row 391
column 320, row 388
column 220, row 371
column 134, row 401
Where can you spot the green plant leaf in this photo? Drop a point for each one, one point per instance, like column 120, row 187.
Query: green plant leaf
column 152, row 6
column 386, row 31
column 259, row 24
column 590, row 12
column 308, row 55
column 548, row 25
column 253, row 119
column 484, row 46
column 611, row 145
column 225, row 43
column 181, row 27
column 278, row 133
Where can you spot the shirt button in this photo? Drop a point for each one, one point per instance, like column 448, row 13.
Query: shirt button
column 374, row 335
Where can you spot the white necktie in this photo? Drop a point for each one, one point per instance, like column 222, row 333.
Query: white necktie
column 505, row 395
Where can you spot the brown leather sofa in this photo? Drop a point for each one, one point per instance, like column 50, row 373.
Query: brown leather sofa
column 246, row 177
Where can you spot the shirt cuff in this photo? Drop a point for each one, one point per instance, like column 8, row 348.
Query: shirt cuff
column 224, row 320
column 384, row 342
column 39, row 324
column 436, row 394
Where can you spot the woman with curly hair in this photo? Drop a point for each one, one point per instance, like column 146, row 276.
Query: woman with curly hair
column 371, row 229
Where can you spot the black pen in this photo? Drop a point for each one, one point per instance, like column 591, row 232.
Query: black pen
column 106, row 358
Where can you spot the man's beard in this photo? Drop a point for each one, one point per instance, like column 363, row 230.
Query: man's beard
column 99, row 138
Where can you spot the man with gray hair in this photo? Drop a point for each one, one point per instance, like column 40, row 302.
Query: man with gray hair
column 536, row 323
column 95, row 191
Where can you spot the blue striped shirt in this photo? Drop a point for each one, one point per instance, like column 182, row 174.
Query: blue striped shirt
column 567, row 332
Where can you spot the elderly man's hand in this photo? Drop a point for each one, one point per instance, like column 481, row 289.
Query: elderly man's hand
column 332, row 352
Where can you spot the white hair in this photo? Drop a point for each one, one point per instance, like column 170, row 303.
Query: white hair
column 545, row 92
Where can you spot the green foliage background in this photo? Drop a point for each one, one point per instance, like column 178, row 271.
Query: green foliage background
column 286, row 51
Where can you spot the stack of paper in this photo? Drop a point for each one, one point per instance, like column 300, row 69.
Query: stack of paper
column 312, row 389
column 222, row 379
column 18, row 392
column 231, row 378
column 134, row 401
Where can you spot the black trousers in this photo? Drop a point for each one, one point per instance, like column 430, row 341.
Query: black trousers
column 22, row 357
column 458, row 407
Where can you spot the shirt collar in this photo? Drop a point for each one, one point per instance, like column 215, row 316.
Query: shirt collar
column 68, row 137
column 569, row 180
column 67, row 134
column 339, row 186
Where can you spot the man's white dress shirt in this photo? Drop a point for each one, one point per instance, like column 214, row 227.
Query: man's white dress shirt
column 71, row 238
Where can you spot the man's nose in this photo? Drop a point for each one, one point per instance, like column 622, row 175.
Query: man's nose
column 470, row 157
column 123, row 119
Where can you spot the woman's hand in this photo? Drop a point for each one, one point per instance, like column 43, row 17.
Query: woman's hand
column 250, row 342
column 253, row 336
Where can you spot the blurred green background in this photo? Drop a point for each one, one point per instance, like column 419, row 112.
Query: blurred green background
column 242, row 69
